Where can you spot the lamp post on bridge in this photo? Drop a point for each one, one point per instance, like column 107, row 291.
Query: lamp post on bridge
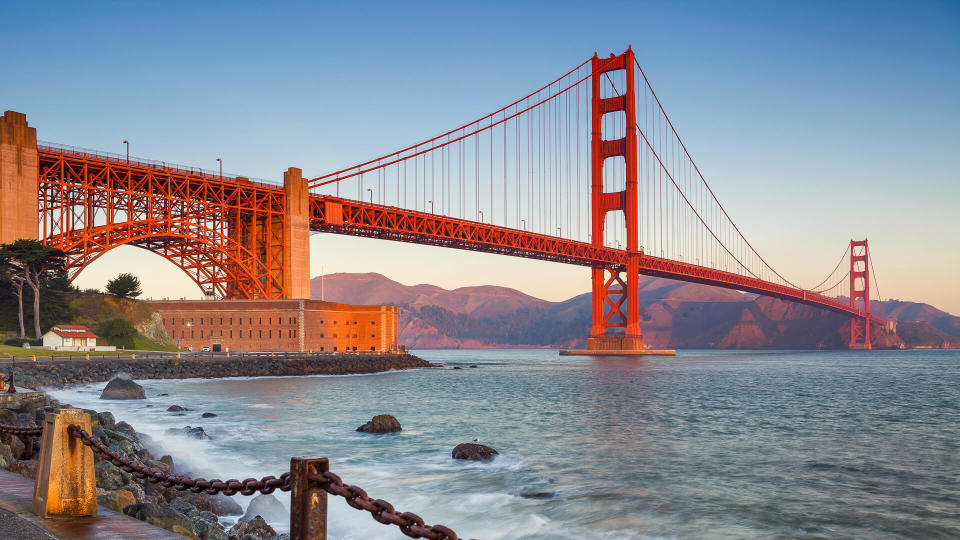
column 481, row 215
column 523, row 224
column 370, row 191
column 220, row 162
column 127, row 144
column 431, row 206
column 559, row 232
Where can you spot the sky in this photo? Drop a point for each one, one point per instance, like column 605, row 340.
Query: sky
column 814, row 122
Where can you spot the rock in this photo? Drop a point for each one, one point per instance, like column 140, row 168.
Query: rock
column 381, row 423
column 126, row 429
column 474, row 366
column 136, row 490
column 182, row 531
column 268, row 507
column 256, row 526
column 222, row 505
column 183, row 507
column 119, row 388
column 161, row 395
column 209, row 529
column 538, row 495
column 159, row 515
column 176, row 408
column 16, row 445
column 168, row 460
column 6, row 456
column 457, row 367
column 116, row 500
column 107, row 476
column 207, row 415
column 473, row 452
column 190, row 432
column 105, row 419
column 25, row 468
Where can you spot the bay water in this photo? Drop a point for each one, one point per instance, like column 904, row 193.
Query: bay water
column 707, row 444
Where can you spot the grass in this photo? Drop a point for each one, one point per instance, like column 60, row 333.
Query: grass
column 142, row 344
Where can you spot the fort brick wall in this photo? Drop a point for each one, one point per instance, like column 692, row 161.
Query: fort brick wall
column 279, row 325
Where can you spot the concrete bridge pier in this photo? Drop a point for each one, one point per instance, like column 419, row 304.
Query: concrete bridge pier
column 19, row 184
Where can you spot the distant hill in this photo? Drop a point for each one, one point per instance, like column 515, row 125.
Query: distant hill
column 673, row 314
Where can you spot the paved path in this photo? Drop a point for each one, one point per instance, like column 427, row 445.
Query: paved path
column 16, row 521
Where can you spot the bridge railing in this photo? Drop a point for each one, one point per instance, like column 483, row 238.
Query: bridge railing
column 66, row 481
column 148, row 163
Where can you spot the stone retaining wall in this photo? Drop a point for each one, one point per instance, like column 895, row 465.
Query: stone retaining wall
column 80, row 371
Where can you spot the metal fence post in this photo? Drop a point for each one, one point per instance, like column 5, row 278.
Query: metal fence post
column 308, row 504
column 66, row 483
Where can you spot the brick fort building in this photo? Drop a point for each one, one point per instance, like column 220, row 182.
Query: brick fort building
column 279, row 325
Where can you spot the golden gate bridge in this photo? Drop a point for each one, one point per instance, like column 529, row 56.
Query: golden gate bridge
column 587, row 170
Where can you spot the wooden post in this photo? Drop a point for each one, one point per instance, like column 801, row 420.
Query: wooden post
column 308, row 504
column 66, row 485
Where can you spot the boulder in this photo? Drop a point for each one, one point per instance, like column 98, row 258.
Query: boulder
column 116, row 500
column 268, row 507
column 256, row 526
column 208, row 415
column 25, row 468
column 185, row 532
column 222, row 505
column 108, row 476
column 168, row 460
column 119, row 388
column 207, row 529
column 190, row 432
column 176, row 408
column 105, row 419
column 159, row 515
column 139, row 495
column 6, row 456
column 473, row 452
column 125, row 428
column 381, row 423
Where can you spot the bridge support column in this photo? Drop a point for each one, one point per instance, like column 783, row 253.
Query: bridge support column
column 296, row 235
column 860, row 294
column 19, row 215
column 615, row 285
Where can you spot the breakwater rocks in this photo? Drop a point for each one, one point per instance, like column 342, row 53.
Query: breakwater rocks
column 193, row 515
column 79, row 371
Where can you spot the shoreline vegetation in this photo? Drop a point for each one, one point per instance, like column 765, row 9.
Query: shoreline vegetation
column 192, row 515
column 60, row 373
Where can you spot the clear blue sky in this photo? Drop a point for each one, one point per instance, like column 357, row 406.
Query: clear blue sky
column 815, row 122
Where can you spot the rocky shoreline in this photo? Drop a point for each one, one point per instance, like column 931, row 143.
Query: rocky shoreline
column 78, row 371
column 192, row 515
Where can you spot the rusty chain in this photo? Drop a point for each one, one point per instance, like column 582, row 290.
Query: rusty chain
column 382, row 511
column 265, row 485
column 20, row 430
column 410, row 524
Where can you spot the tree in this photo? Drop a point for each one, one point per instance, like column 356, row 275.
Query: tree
column 125, row 285
column 32, row 263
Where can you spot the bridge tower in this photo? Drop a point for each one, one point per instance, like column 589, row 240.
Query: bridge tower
column 18, row 178
column 860, row 291
column 615, row 285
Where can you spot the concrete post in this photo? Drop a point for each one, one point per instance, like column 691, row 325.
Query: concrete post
column 19, row 179
column 296, row 235
column 66, row 482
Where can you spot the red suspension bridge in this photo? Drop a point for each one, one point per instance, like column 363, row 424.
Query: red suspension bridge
column 514, row 182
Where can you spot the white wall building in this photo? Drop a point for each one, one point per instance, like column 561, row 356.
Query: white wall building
column 72, row 337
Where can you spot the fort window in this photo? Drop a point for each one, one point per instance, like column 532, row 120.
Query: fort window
column 270, row 333
column 373, row 335
column 373, row 348
column 191, row 334
column 249, row 333
column 321, row 335
column 201, row 334
column 334, row 348
column 231, row 333
column 231, row 321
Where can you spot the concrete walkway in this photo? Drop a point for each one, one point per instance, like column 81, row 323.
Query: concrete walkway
column 16, row 521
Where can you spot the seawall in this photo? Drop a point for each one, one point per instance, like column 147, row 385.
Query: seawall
column 80, row 371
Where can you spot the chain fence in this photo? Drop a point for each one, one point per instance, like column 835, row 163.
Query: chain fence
column 382, row 511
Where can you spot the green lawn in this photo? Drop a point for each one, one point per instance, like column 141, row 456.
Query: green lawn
column 7, row 351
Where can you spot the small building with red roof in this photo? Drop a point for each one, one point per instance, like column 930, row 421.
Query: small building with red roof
column 70, row 337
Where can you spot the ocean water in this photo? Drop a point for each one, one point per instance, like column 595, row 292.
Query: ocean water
column 707, row 444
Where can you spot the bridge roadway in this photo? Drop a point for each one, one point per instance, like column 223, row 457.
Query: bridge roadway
column 351, row 217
